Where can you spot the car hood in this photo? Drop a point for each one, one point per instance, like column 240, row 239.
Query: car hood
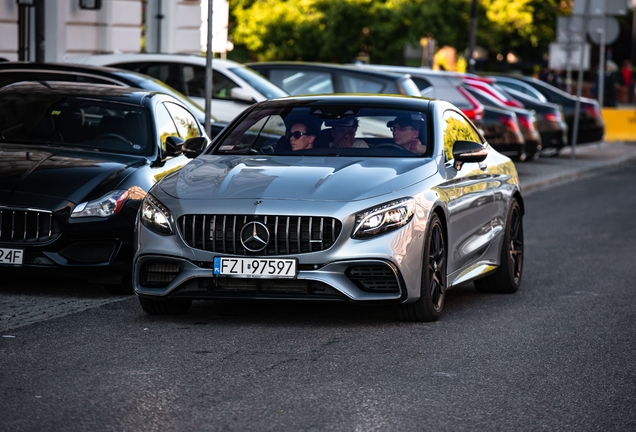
column 295, row 177
column 47, row 176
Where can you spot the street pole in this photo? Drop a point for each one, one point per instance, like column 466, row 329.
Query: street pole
column 473, row 36
column 602, row 62
column 577, row 105
column 39, row 31
column 208, row 74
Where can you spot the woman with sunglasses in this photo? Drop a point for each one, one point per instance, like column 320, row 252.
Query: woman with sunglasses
column 302, row 135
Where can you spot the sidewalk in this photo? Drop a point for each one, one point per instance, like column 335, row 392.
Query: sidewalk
column 590, row 159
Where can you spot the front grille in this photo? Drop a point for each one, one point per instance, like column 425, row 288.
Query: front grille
column 28, row 226
column 287, row 234
column 377, row 278
column 90, row 252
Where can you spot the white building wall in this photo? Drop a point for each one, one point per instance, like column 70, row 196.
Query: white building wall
column 116, row 27
column 9, row 30
column 179, row 28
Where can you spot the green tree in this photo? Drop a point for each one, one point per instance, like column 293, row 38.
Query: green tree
column 339, row 31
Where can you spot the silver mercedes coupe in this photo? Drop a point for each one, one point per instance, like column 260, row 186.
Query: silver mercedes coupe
column 358, row 198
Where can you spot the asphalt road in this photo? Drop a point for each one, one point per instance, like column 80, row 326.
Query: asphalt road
column 557, row 355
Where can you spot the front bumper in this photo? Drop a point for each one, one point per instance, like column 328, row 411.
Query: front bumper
column 358, row 280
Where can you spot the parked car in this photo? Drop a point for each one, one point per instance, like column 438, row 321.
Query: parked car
column 550, row 122
column 370, row 225
column 12, row 72
column 235, row 87
column 526, row 120
column 591, row 126
column 439, row 85
column 485, row 85
column 500, row 128
column 298, row 78
column 76, row 161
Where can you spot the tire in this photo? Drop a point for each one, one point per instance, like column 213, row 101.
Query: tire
column 429, row 306
column 534, row 153
column 169, row 307
column 507, row 278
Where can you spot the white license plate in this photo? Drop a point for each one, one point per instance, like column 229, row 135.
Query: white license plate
column 255, row 267
column 11, row 256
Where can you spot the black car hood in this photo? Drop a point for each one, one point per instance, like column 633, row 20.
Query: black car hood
column 46, row 177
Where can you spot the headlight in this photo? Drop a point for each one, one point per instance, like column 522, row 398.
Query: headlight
column 383, row 218
column 155, row 216
column 105, row 206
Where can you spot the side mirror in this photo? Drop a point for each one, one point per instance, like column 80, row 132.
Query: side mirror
column 194, row 146
column 174, row 146
column 241, row 94
column 468, row 151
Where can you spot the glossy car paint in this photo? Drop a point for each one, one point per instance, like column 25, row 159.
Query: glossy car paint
column 335, row 78
column 526, row 120
column 53, row 178
column 472, row 201
column 241, row 86
column 550, row 121
column 591, row 126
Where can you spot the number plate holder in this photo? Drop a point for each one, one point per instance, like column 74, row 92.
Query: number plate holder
column 265, row 268
column 11, row 256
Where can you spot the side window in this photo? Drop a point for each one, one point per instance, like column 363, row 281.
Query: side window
column 185, row 122
column 165, row 125
column 421, row 83
column 355, row 84
column 297, row 82
column 456, row 127
column 222, row 86
column 194, row 80
column 166, row 72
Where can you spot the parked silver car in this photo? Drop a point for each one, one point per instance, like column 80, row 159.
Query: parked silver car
column 251, row 218
column 235, row 86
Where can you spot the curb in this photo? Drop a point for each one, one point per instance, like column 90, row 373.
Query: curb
column 562, row 173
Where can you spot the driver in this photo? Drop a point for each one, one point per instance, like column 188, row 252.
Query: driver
column 406, row 130
column 343, row 134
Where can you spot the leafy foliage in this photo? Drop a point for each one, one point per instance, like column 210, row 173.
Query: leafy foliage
column 378, row 30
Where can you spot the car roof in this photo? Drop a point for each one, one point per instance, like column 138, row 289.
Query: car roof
column 114, row 93
column 382, row 100
column 102, row 59
column 325, row 66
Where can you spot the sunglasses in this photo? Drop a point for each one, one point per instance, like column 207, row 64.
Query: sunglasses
column 296, row 135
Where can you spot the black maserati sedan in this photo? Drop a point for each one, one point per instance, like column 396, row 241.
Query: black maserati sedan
column 76, row 161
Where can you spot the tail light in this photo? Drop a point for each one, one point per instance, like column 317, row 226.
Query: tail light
column 475, row 113
column 525, row 122
column 528, row 123
column 554, row 116
column 592, row 111
column 510, row 123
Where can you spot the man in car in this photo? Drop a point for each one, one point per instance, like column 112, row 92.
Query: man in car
column 406, row 130
column 343, row 134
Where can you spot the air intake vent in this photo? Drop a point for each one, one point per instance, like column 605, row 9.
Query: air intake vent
column 377, row 278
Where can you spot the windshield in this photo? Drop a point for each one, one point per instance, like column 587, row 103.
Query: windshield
column 260, row 83
column 46, row 119
column 333, row 130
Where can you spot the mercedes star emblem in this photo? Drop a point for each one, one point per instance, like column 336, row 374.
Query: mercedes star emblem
column 254, row 236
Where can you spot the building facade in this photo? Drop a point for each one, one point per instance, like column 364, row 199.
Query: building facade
column 52, row 30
